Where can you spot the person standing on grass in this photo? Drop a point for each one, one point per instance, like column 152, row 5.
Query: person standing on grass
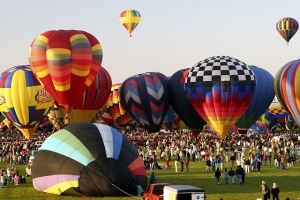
column 275, row 192
column 218, row 175
column 265, row 190
column 176, row 166
column 153, row 178
column 231, row 174
column 187, row 163
column 226, row 175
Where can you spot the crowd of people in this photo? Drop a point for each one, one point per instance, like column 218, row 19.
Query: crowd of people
column 232, row 157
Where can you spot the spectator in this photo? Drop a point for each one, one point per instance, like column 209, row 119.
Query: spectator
column 265, row 190
column 226, row 175
column 231, row 174
column 218, row 175
column 275, row 192
column 153, row 178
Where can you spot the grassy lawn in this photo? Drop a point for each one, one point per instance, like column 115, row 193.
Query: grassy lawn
column 287, row 181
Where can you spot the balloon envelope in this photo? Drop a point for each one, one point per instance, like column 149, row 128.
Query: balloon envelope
column 287, row 27
column 145, row 97
column 286, row 87
column 23, row 100
column 88, row 160
column 220, row 89
column 180, row 102
column 263, row 97
column 66, row 62
column 130, row 19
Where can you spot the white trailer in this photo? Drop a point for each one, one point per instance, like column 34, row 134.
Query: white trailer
column 183, row 192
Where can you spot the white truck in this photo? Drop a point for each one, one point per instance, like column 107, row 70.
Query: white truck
column 183, row 192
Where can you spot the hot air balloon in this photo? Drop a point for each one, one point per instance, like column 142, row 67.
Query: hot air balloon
column 130, row 19
column 66, row 63
column 286, row 84
column 23, row 100
column 114, row 108
column 169, row 119
column 180, row 103
column 145, row 98
column 88, row 160
column 263, row 97
column 220, row 89
column 92, row 99
column 287, row 27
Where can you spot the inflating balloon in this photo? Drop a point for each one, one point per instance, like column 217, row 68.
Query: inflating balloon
column 145, row 97
column 180, row 103
column 220, row 89
column 130, row 19
column 263, row 97
column 92, row 99
column 114, row 108
column 286, row 86
column 66, row 63
column 23, row 100
column 287, row 28
column 85, row 159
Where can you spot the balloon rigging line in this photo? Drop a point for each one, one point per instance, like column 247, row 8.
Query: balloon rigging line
column 124, row 191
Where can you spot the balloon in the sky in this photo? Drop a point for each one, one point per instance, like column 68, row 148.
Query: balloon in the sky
column 220, row 89
column 66, row 63
column 55, row 116
column 114, row 108
column 86, row 159
column 130, row 19
column 287, row 28
column 286, row 86
column 23, row 100
column 145, row 97
column 92, row 99
column 263, row 97
column 180, row 103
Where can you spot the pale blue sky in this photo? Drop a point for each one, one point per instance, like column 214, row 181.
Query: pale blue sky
column 172, row 34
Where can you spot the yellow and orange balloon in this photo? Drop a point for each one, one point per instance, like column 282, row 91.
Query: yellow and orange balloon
column 23, row 100
column 130, row 19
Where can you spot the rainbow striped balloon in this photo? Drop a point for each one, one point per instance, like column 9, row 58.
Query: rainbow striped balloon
column 286, row 87
column 66, row 63
column 287, row 27
column 130, row 19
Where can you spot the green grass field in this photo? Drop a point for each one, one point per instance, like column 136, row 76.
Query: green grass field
column 287, row 181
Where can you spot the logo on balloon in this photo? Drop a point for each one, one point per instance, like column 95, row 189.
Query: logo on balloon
column 43, row 96
column 2, row 100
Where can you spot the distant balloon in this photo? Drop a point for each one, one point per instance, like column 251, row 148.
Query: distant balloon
column 220, row 89
column 130, row 19
column 86, row 159
column 263, row 97
column 23, row 100
column 180, row 102
column 287, row 28
column 66, row 63
column 286, row 86
column 145, row 97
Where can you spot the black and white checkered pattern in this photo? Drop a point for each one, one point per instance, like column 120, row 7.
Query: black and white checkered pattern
column 220, row 68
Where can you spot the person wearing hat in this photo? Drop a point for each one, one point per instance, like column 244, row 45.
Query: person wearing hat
column 275, row 192
column 265, row 190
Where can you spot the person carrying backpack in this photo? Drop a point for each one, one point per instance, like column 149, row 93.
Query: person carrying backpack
column 265, row 190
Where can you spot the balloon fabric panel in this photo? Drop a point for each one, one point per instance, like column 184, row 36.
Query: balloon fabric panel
column 66, row 62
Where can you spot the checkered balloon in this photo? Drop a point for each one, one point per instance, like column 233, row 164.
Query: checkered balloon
column 220, row 89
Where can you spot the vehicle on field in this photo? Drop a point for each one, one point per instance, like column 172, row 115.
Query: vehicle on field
column 155, row 191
